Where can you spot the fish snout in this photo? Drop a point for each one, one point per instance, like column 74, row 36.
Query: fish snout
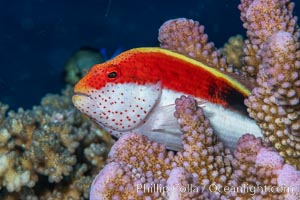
column 81, row 97
column 79, row 100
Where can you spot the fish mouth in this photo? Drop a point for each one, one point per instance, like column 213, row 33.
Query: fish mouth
column 81, row 94
column 79, row 97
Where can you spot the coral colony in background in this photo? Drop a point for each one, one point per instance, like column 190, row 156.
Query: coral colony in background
column 54, row 152
column 49, row 152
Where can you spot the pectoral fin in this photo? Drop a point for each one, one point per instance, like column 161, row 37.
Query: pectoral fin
column 162, row 127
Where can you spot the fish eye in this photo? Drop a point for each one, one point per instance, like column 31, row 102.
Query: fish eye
column 112, row 74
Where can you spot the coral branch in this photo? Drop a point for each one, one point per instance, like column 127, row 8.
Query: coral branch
column 187, row 37
column 263, row 18
column 275, row 103
column 233, row 50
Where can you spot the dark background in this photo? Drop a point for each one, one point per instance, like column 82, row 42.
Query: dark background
column 38, row 36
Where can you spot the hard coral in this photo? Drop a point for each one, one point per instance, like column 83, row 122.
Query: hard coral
column 275, row 103
column 202, row 153
column 141, row 169
column 145, row 163
column 52, row 143
column 233, row 51
column 191, row 41
column 259, row 170
column 263, row 18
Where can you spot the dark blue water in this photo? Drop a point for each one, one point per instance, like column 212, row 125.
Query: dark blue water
column 38, row 36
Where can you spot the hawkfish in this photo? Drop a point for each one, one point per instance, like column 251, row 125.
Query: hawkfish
column 135, row 93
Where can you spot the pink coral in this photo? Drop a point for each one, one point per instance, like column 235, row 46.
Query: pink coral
column 263, row 18
column 191, row 41
column 274, row 103
column 261, row 167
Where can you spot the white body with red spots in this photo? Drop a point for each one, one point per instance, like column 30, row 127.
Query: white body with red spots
column 122, row 107
column 148, row 109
